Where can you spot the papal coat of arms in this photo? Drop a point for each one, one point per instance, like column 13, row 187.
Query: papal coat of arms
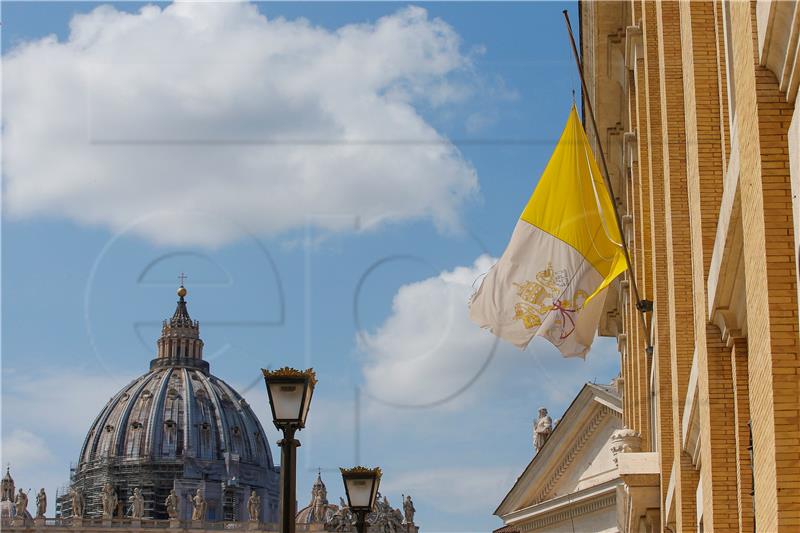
column 545, row 295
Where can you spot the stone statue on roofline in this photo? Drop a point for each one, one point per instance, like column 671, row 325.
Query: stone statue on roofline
column 137, row 503
column 408, row 510
column 109, row 500
column 171, row 503
column 41, row 504
column 254, row 506
column 199, row 504
column 542, row 429
column 77, row 502
column 21, row 504
column 385, row 518
column 335, row 522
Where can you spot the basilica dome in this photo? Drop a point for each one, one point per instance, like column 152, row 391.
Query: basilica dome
column 176, row 411
column 178, row 427
column 318, row 510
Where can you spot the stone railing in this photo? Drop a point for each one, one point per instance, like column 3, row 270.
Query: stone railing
column 95, row 525
column 99, row 525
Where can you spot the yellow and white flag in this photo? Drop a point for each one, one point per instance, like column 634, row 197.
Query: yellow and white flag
column 565, row 250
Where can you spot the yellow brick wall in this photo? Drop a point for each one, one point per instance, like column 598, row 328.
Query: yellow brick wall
column 720, row 496
column 762, row 121
column 678, row 251
column 658, row 244
column 704, row 178
column 724, row 123
column 748, row 357
column 744, row 484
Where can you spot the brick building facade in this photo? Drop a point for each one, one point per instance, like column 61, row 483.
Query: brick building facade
column 696, row 111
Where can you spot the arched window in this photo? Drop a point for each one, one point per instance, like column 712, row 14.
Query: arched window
column 133, row 439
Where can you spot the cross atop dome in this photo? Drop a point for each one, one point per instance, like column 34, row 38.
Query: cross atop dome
column 319, row 485
column 181, row 318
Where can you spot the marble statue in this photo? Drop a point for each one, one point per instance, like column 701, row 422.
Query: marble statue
column 77, row 502
column 542, row 429
column 397, row 518
column 254, row 506
column 171, row 503
column 408, row 510
column 41, row 504
column 109, row 500
column 21, row 504
column 199, row 506
column 137, row 503
column 385, row 518
column 342, row 519
column 334, row 522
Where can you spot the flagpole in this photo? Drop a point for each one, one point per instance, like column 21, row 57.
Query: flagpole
column 642, row 305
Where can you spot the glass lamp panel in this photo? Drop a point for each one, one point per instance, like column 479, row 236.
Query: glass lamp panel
column 360, row 492
column 375, row 484
column 287, row 399
column 306, row 403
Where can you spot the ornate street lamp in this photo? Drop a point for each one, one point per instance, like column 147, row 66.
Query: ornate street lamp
column 289, row 392
column 361, row 486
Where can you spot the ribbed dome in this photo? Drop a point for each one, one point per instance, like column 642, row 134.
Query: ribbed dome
column 173, row 412
column 318, row 511
column 178, row 428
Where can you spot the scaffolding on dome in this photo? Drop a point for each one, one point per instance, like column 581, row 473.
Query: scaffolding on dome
column 154, row 479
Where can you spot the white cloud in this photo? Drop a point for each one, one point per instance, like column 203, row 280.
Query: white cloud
column 23, row 448
column 34, row 462
column 215, row 108
column 446, row 455
column 63, row 402
column 428, row 351
column 479, row 121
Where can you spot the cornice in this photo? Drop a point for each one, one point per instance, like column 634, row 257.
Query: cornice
column 591, row 506
column 562, row 502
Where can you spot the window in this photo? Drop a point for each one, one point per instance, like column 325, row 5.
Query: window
column 134, row 439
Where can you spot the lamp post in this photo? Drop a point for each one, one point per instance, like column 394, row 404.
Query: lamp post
column 361, row 486
column 289, row 392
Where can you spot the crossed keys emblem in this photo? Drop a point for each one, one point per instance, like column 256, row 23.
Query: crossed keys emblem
column 544, row 295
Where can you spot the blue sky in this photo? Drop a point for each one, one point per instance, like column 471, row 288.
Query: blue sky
column 327, row 214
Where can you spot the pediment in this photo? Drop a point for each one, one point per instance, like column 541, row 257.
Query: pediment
column 591, row 464
column 575, row 457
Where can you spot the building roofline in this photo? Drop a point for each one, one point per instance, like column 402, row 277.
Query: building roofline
column 611, row 400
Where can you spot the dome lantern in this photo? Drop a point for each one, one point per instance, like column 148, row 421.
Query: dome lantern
column 180, row 343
